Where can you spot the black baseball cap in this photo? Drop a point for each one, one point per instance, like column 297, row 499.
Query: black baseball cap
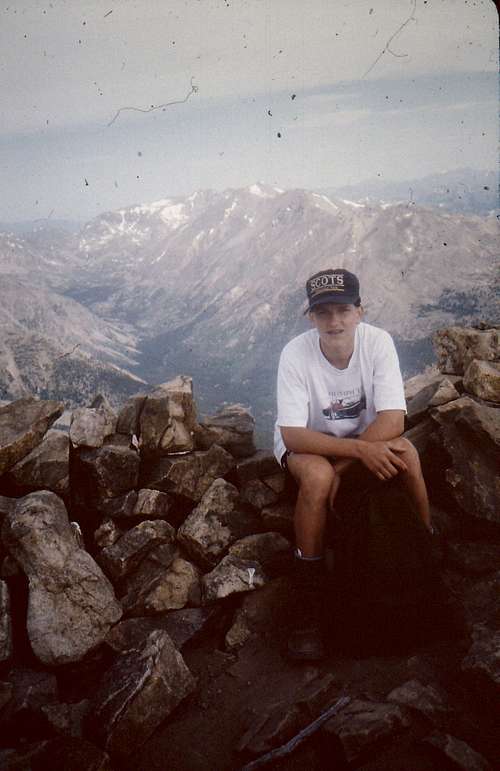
column 332, row 286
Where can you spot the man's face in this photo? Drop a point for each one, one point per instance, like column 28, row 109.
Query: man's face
column 336, row 322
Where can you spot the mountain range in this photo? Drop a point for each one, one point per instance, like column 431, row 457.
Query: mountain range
column 211, row 285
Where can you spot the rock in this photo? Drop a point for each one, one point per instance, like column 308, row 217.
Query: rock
column 473, row 559
column 425, row 698
column 182, row 626
column 215, row 524
column 457, row 347
column 168, row 418
column 71, row 603
column 276, row 482
column 46, row 467
column 482, row 378
column 258, row 494
column 107, row 534
column 70, row 752
column 189, row 475
column 6, row 692
column 481, row 666
column 260, row 613
column 28, row 691
column 121, row 507
column 139, row 692
column 108, row 471
column 461, row 755
column 232, row 575
column 9, row 568
column 91, row 425
column 129, row 415
column 479, row 599
column 67, row 718
column 279, row 518
column 261, row 547
column 231, row 427
column 23, row 424
column 470, row 432
column 152, row 504
column 362, row 724
column 416, row 383
column 151, row 568
column 438, row 392
column 5, row 623
column 260, row 465
column 175, row 589
column 126, row 553
column 77, row 534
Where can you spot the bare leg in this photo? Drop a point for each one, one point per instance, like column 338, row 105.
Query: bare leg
column 316, row 478
column 413, row 479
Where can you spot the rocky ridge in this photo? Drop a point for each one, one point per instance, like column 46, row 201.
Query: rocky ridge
column 144, row 593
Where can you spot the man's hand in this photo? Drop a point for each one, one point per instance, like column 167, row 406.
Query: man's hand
column 382, row 458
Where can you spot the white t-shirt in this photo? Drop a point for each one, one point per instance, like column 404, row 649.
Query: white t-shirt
column 314, row 394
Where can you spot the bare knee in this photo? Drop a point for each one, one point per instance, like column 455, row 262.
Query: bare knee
column 410, row 456
column 315, row 476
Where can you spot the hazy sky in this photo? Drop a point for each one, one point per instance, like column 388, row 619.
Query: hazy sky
column 396, row 88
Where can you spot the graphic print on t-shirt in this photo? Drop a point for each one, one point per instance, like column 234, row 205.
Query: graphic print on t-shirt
column 346, row 405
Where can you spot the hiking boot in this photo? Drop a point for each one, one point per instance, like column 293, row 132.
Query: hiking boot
column 305, row 642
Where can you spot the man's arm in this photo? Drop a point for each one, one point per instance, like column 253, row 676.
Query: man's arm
column 372, row 447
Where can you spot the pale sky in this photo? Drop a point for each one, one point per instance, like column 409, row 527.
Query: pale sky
column 396, row 88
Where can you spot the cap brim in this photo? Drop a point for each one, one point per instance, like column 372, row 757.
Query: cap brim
column 335, row 298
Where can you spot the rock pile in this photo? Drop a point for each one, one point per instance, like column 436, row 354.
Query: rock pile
column 147, row 533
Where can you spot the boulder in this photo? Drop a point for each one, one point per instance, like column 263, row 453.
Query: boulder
column 188, row 475
column 5, row 624
column 425, row 698
column 260, row 613
column 68, row 752
column 129, row 415
column 362, row 724
column 279, row 518
column 473, row 558
column 120, row 507
column 260, row 465
column 46, row 467
column 152, row 567
column 481, row 666
column 482, row 378
column 470, row 433
column 152, row 504
column 231, row 576
column 263, row 548
column 140, row 690
column 23, row 424
column 30, row 691
column 106, row 472
column 215, row 524
column 107, row 534
column 91, row 425
column 168, row 417
column 231, row 427
column 457, row 752
column 457, row 347
column 182, row 626
column 67, row 718
column 173, row 589
column 71, row 603
column 257, row 494
column 125, row 554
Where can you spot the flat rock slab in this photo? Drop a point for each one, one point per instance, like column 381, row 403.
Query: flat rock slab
column 71, row 603
column 182, row 626
column 363, row 724
column 109, row 471
column 175, row 588
column 139, row 692
column 188, row 475
column 23, row 424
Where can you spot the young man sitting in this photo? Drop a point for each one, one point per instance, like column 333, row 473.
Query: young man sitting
column 340, row 401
